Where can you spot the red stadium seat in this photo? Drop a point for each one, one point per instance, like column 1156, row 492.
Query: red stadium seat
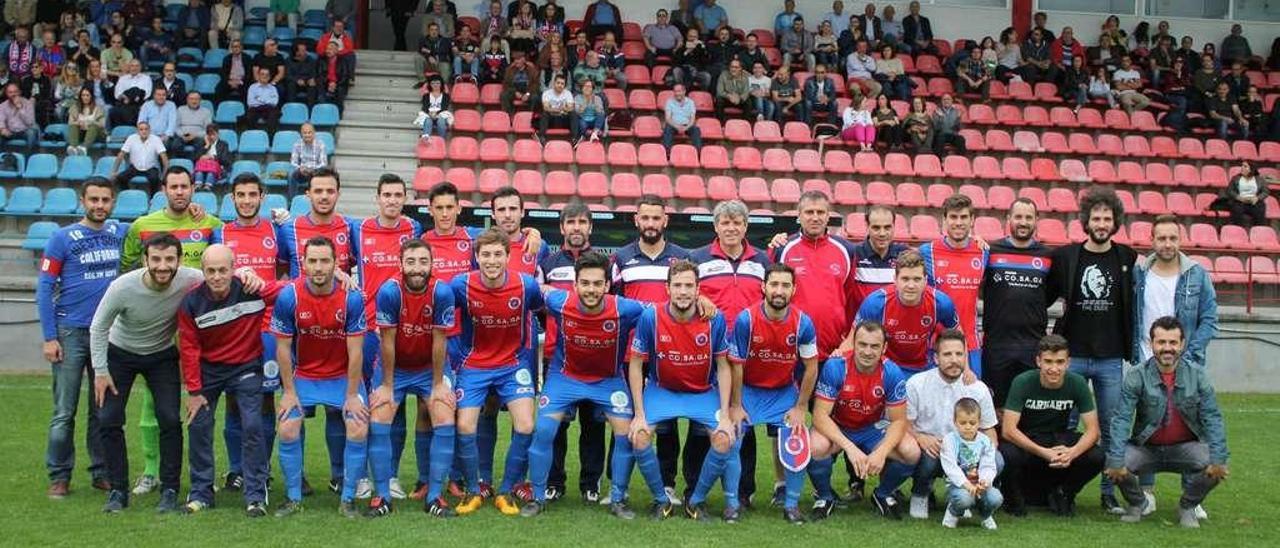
column 848, row 193
column 753, row 190
column 1070, row 169
column 1090, row 118
column 911, row 195
column 1217, row 149
column 973, row 140
column 592, row 186
column 1159, row 174
column 491, row 95
column 897, row 163
column 998, row 140
column 1235, row 237
column 702, row 102
column 776, row 160
column 431, row 149
column 653, row 155
column 1055, row 143
column 720, row 188
column 764, row 37
column 747, row 159
column 1075, row 231
column 466, row 121
column 1230, row 270
column 957, row 167
column 976, row 194
column 642, row 100
column 557, row 183
column 986, row 167
column 1016, row 169
column 714, row 157
column 1000, row 197
column 1140, row 233
column 624, row 186
column 1126, row 199
column 426, row 177
column 493, row 179
column 1179, row 203
column 1110, row 145
column 807, row 161
column 1047, row 92
column 493, row 150
column 925, row 227
column 1131, row 173
column 690, row 187
column 1101, row 171
column 464, row 93
column 1265, row 238
column 463, row 149
column 1151, row 202
column 1143, row 120
column 1027, row 141
column 462, row 177
column 1245, row 150
column 988, row 228
column 1135, row 145
column 529, row 182
column 997, row 91
column 1214, row 176
column 1010, row 115
column 1203, row 202
column 928, row 65
column 1036, row 195
column 928, row 166
column 647, row 127
column 495, row 122
column 880, row 193
column 1037, row 116
column 1117, row 119
column 1263, row 270
column 684, row 156
column 1191, row 148
column 1164, row 147
column 767, row 131
column 1204, row 235
column 622, row 154
column 1082, row 143
column 522, row 123
column 838, row 161
column 1062, row 200
column 815, row 185
column 982, row 114
column 867, row 163
column 527, row 151
column 1020, row 91
column 855, row 226
column 738, row 131
column 710, row 127
column 589, row 153
column 557, row 152
column 1051, row 231
column 657, row 184
column 939, row 86
column 785, row 191
column 797, row 133
column 1186, row 175
column 1063, row 117
column 637, row 75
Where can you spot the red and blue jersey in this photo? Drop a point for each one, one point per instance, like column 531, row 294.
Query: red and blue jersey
column 681, row 356
column 377, row 256
column 958, row 271
column 768, row 349
column 223, row 332
column 591, row 347
column 493, row 323
column 732, row 284
column 414, row 316
column 294, row 234
column 643, row 278
column 523, row 261
column 910, row 330
column 824, row 284
column 78, row 265
column 557, row 270
column 451, row 254
column 860, row 399
column 254, row 246
column 872, row 271
column 319, row 325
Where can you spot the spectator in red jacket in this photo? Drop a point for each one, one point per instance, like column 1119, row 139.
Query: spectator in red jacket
column 1065, row 50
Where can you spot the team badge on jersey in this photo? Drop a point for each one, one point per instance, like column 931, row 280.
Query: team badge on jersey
column 269, row 243
column 513, row 303
column 340, row 238
column 700, row 339
column 609, row 326
column 794, row 450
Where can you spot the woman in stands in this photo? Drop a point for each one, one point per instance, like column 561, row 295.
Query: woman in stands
column 918, row 127
column 104, row 90
column 1099, row 87
column 86, row 121
column 521, row 36
column 826, row 47
column 67, row 89
column 548, row 24
column 1111, row 28
column 892, row 74
column 591, row 113
column 1009, row 53
column 435, row 105
column 990, row 57
column 1246, row 196
column 1075, row 83
column 214, row 159
column 888, row 127
column 858, row 126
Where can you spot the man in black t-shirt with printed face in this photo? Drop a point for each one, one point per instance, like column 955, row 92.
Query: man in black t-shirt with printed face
column 1094, row 280
column 1044, row 455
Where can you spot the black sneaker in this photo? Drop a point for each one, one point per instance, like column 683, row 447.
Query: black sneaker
column 255, row 510
column 378, row 507
column 1111, row 505
column 793, row 516
column 619, row 509
column 732, row 514
column 117, row 501
column 347, row 509
column 590, row 496
column 748, row 501
column 888, row 506
column 307, row 489
column 289, row 508
column 439, row 508
column 779, row 496
column 335, row 485
column 660, row 511
column 233, row 482
column 532, row 509
column 168, row 501
column 822, row 509
column 555, row 492
column 856, row 489
column 696, row 512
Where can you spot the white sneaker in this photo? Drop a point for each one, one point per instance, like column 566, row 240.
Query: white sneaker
column 1200, row 513
column 145, row 484
column 967, row 514
column 989, row 523
column 1151, row 503
column 397, row 492
column 949, row 520
column 671, row 494
column 919, row 507
column 364, row 488
column 605, row 498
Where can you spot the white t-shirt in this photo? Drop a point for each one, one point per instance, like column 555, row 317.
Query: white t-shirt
column 143, row 155
column 558, row 101
column 1122, row 75
column 1157, row 302
column 931, row 403
column 1247, row 187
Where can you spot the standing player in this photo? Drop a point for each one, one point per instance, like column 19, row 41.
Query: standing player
column 955, row 265
column 1014, row 314
column 592, row 334
column 688, row 376
column 493, row 307
column 861, row 410
column 415, row 311
column 451, row 253
column 80, row 261
column 323, row 326
column 911, row 313
column 767, row 342
column 825, row 263
column 875, row 258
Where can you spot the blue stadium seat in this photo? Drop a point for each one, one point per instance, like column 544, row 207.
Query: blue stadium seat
column 311, row 34
column 213, row 59
column 293, row 114
column 254, row 37
column 22, row 164
column 205, row 103
column 231, row 138
column 245, row 166
column 4, row 198
column 189, row 82
column 103, row 167
column 207, row 83
column 283, row 142
column 75, row 169
column 258, row 15
column 60, row 201
column 228, row 112
column 183, row 163
column 270, row 174
column 206, row 200
column 274, row 201
column 118, row 134
column 38, row 235
column 41, row 166
column 285, row 36
column 228, row 210
column 300, row 206
column 254, row 141
column 315, row 19
column 327, row 138
column 53, row 136
column 130, row 204
column 158, row 201
column 190, row 58
column 324, row 115
column 25, row 200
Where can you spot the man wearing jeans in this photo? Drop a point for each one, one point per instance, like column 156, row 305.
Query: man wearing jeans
column 678, row 113
column 79, row 263
column 1094, row 280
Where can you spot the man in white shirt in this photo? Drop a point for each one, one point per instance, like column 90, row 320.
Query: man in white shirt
column 262, row 104
column 931, row 401
column 1128, row 85
column 861, row 68
column 557, row 106
column 132, row 89
column 147, row 158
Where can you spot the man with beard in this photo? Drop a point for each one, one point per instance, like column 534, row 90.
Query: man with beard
column 912, row 315
column 1094, row 280
column 414, row 312
column 954, row 264
column 1014, row 316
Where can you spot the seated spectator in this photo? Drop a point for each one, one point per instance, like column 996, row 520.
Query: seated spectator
column 494, row 27
column 661, row 39
column 1043, row 453
column 890, row 27
column 132, row 89
column 191, row 121
column 104, row 89
column 1223, row 113
column 5, row 75
column 885, row 119
column 1040, row 22
column 602, row 16
column 262, row 104
column 115, row 59
column 918, row 126
column 860, row 70
column 86, row 122
column 161, row 115
column 1065, row 50
column 550, row 21
column 892, row 74
column 493, row 62
column 212, row 159
column 1204, row 83
column 782, row 21
column 826, row 46
column 614, row 61
column 116, row 25
column 555, row 67
column 1038, row 67
column 1111, row 28
column 194, row 20
column 720, row 51
column 734, row 91
column 435, row 53
column 871, row 23
column 520, row 30
column 438, row 13
column 788, row 101
column 38, row 87
column 1127, row 83
column 272, row 61
column 759, row 84
column 1168, row 420
column 345, row 44
column 1235, row 47
column 751, row 53
column 1237, row 81
column 437, row 114
column 519, row 85
column 690, row 62
column 138, row 12
column 335, row 77
column 226, row 23
column 591, row 69
column 67, row 89
column 1245, row 197
column 304, row 74
column 972, row 75
column 917, row 32
column 285, row 12
column 1176, row 88
column 682, row 17
column 235, row 74
column 1098, row 87
column 559, row 10
column 83, row 51
column 710, row 17
column 558, row 109
column 946, row 127
column 466, row 56
column 796, row 45
column 678, row 119
column 146, row 158
column 309, row 154
column 578, row 48
column 21, row 53
column 18, row 118
column 1008, row 56
column 589, row 108
column 51, row 54
column 1187, row 51
column 820, row 98
column 858, row 127
column 342, row 10
column 1107, row 54
column 513, row 8
column 157, row 43
column 1254, row 119
column 1160, row 58
column 849, row 38
column 170, row 82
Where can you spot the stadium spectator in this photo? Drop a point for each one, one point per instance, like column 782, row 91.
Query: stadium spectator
column 557, row 108
column 212, row 159
column 782, row 21
column 1235, row 47
column 1098, row 87
column 758, row 85
column 519, row 85
column 1168, row 420
column 335, row 76
column 1106, row 54
column 892, row 75
column 1142, row 39
column 1187, row 51
column 788, row 101
column 51, row 53
column 1204, row 83
column 946, row 127
column 115, row 59
column 850, row 37
column 858, row 127
column 275, row 63
column 1273, row 60
column 1127, row 83
column 341, row 10
column 1075, row 84
column 303, row 73
column 555, row 67
column 174, row 87
column 82, row 52
column 21, row 53
column 161, row 114
column 400, row 12
column 235, row 74
column 590, row 69
column 614, row 61
column 888, row 129
column 1044, row 455
column 194, row 21
column 710, row 17
column 104, row 90
column 520, row 30
column 18, row 119
column 466, row 55
column 751, row 53
column 550, row 21
column 860, row 68
column 493, row 62
column 138, row 13
column 820, row 98
column 309, row 155
column 972, row 76
column 190, row 121
column 436, row 113
column 917, row 126
column 917, row 32
column 1237, row 80
column 435, row 53
column 1224, row 113
column 1064, row 51
column 1040, row 22
column 39, row 88
column 343, row 41
column 262, row 104
column 493, row 26
column 578, row 48
column 661, row 39
column 722, row 50
column 890, row 27
column 157, row 43
column 226, row 23
column 1160, row 58
column 86, row 122
column 20, row 13
column 603, row 16
column 826, row 46
column 1009, row 55
column 733, row 90
column 690, row 62
column 1251, row 110
column 678, row 119
column 1111, row 28
column 1245, row 197
column 589, row 108
column 796, row 44
column 439, row 14
column 146, row 158
column 871, row 23
column 1038, row 66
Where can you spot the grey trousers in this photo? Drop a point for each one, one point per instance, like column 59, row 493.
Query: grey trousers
column 1189, row 459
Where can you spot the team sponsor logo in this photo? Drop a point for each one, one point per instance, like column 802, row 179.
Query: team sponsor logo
column 271, row 369
column 619, row 399
column 523, row 377
column 1037, row 262
column 196, row 236
column 543, row 400
column 701, row 339
column 513, row 303
column 609, row 326
column 794, row 452
column 340, row 239
column 268, row 243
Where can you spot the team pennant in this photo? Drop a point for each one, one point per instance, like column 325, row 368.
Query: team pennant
column 794, row 449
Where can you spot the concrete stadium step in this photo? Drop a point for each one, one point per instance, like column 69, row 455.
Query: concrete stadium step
column 375, row 140
column 384, row 66
column 19, row 263
column 361, row 112
column 380, row 87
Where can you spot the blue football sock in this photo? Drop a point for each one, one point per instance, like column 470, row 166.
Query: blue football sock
column 398, row 435
column 621, row 464
column 712, row 468
column 544, row 435
column 354, row 460
column 380, row 458
column 647, row 461
column 486, row 445
column 732, row 474
column 517, row 461
column 291, row 467
column 422, row 449
column 231, row 436
column 441, row 459
column 467, row 453
column 820, row 474
column 794, row 485
column 892, row 477
column 335, row 437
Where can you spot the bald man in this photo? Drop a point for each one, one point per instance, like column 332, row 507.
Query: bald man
column 220, row 346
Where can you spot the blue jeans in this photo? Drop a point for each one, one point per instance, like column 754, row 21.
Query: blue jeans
column 1106, row 375
column 473, row 68
column 765, row 107
column 436, row 126
column 30, row 138
column 929, row 468
column 669, row 136
column 959, row 500
column 67, row 375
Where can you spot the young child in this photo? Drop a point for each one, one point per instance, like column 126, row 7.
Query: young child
column 969, row 462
